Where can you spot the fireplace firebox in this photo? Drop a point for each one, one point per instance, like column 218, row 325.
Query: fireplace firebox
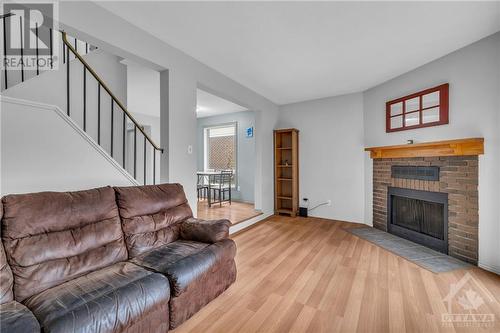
column 419, row 216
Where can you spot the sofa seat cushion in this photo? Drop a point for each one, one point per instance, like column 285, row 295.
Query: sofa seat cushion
column 185, row 261
column 119, row 298
column 16, row 318
column 165, row 258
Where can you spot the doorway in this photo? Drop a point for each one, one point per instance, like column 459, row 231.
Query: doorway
column 227, row 146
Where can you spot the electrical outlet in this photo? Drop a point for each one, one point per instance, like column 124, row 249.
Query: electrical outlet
column 329, row 203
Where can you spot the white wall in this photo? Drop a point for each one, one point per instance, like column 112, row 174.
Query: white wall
column 50, row 88
column 143, row 101
column 330, row 154
column 112, row 33
column 474, row 77
column 265, row 123
column 43, row 150
column 143, row 90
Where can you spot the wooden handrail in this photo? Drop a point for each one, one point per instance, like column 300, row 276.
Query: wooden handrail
column 101, row 82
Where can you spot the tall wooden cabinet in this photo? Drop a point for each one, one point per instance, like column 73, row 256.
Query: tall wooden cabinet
column 286, row 171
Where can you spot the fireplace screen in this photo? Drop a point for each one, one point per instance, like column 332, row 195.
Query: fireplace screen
column 420, row 216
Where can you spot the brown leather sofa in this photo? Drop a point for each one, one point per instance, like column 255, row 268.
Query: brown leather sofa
column 127, row 259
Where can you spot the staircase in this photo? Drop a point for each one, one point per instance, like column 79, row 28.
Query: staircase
column 88, row 101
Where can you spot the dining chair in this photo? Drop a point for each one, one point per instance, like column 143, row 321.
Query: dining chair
column 222, row 186
column 202, row 187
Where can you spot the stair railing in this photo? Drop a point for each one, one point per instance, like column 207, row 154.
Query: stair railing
column 67, row 49
column 114, row 100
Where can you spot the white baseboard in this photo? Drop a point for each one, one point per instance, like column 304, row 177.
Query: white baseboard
column 490, row 268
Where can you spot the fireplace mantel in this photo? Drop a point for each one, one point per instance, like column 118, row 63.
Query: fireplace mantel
column 460, row 147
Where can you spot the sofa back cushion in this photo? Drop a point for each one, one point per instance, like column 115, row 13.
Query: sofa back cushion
column 6, row 279
column 151, row 215
column 53, row 237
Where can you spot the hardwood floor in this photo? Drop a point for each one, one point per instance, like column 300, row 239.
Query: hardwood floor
column 309, row 275
column 236, row 212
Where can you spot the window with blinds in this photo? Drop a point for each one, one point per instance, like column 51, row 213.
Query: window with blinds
column 220, row 147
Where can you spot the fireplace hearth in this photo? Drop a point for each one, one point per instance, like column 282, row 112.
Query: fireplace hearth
column 419, row 216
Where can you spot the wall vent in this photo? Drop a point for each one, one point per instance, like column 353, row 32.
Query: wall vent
column 430, row 173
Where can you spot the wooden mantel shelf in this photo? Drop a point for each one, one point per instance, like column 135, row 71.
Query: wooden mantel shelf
column 460, row 147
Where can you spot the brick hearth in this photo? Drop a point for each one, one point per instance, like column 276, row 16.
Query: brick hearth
column 458, row 178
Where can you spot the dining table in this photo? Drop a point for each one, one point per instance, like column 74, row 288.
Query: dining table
column 209, row 177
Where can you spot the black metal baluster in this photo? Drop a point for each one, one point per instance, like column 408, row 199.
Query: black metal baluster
column 154, row 165
column 5, row 50
column 124, row 132
column 84, row 99
column 99, row 113
column 86, row 47
column 135, row 151
column 22, row 47
column 144, row 160
column 67, row 81
column 76, row 46
column 36, row 43
column 64, row 53
column 112, row 123
column 51, row 49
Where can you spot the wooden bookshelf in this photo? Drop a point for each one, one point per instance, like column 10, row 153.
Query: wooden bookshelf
column 286, row 171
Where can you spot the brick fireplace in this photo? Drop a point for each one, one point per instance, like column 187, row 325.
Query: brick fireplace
column 457, row 179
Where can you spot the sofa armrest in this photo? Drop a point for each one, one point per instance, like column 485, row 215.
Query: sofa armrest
column 204, row 231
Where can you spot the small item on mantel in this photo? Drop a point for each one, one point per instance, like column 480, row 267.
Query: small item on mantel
column 410, row 141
